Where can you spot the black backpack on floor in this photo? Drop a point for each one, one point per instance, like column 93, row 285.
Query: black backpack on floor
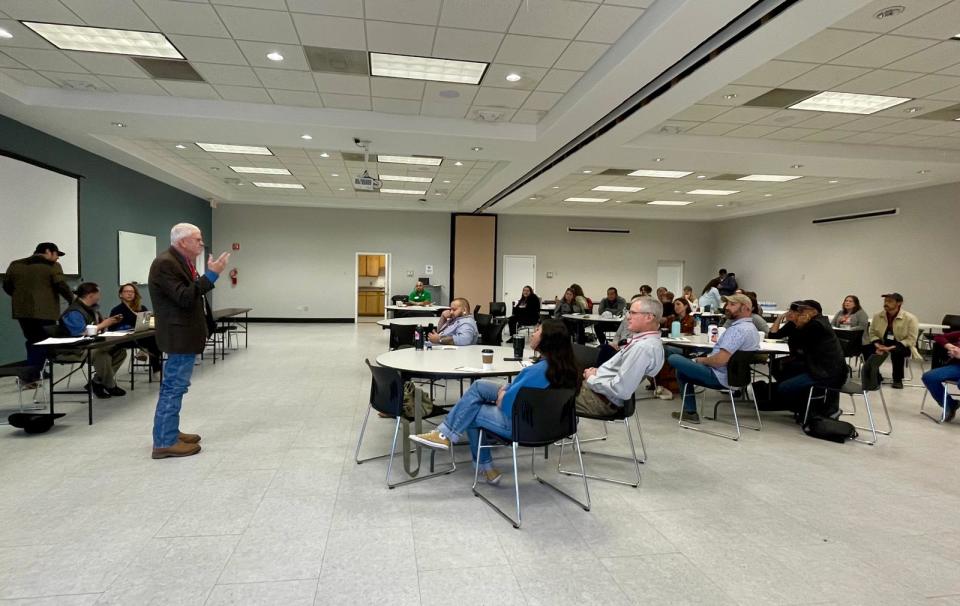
column 833, row 430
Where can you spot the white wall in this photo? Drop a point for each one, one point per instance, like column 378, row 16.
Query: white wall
column 290, row 257
column 597, row 261
column 784, row 257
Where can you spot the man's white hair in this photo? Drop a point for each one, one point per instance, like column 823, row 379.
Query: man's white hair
column 181, row 231
column 648, row 305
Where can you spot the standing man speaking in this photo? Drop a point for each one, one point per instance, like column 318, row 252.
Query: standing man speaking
column 183, row 322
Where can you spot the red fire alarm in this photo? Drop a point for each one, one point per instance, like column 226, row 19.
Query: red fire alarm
column 236, row 246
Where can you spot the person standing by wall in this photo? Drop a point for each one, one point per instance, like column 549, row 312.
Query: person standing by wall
column 183, row 321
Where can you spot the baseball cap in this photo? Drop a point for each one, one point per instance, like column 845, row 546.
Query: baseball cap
column 48, row 246
column 808, row 303
column 741, row 299
column 895, row 296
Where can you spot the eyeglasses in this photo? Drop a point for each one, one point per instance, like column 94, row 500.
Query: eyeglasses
column 630, row 312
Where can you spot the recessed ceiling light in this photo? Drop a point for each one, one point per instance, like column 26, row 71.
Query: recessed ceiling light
column 437, row 193
column 180, row 146
column 476, row 149
column 770, row 178
column 586, row 172
column 848, row 103
column 730, row 96
column 446, row 180
column 119, row 124
column 413, row 192
column 214, row 168
column 669, row 203
column 556, row 187
column 513, row 77
column 426, row 68
column 334, row 174
column 890, row 11
column 533, row 198
column 408, row 179
column 220, row 148
column 796, row 166
column 631, row 190
column 590, row 200
column 341, row 189
column 923, row 172
column 259, row 171
column 306, row 137
column 913, row 110
column 658, row 159
column 424, row 160
column 677, row 191
column 701, row 176
column 458, row 163
column 618, row 201
column 767, row 195
column 713, row 192
column 324, row 155
column 274, row 56
column 278, row 185
column 5, row 34
column 103, row 40
column 833, row 181
column 666, row 174
column 719, row 205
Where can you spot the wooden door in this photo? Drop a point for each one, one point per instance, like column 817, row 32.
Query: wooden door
column 373, row 266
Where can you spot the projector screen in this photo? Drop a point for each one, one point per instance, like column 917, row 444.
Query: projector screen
column 37, row 205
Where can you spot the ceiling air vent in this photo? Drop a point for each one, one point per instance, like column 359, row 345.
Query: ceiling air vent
column 351, row 157
column 873, row 214
column 780, row 97
column 618, row 172
column 337, row 60
column 727, row 177
column 599, row 230
column 948, row 114
column 168, row 69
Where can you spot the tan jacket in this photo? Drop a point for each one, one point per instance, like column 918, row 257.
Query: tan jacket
column 905, row 329
column 34, row 284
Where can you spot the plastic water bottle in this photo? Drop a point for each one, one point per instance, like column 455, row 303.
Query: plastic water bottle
column 417, row 338
column 675, row 329
column 696, row 327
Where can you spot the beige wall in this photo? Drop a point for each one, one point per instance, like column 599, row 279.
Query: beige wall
column 475, row 245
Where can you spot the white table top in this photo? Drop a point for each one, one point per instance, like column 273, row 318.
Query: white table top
column 449, row 362
column 941, row 327
column 591, row 318
column 424, row 308
column 703, row 341
column 422, row 320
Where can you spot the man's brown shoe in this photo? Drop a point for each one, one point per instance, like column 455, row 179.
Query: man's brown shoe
column 188, row 438
column 179, row 449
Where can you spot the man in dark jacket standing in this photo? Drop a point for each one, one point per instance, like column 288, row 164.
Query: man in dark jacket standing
column 183, row 320
column 34, row 283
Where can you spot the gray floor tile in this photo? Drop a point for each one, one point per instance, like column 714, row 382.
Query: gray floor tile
column 288, row 593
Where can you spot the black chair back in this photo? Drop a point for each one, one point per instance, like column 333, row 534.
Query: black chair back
column 586, row 357
column 399, row 299
column 870, row 372
column 476, row 310
column 543, row 416
column 386, row 390
column 483, row 320
column 738, row 369
column 491, row 333
column 951, row 320
column 401, row 335
column 498, row 308
column 850, row 342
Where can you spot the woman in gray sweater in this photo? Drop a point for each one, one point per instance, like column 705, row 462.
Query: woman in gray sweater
column 851, row 315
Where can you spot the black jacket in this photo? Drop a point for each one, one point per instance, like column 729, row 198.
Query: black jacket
column 529, row 315
column 34, row 283
column 816, row 344
column 183, row 317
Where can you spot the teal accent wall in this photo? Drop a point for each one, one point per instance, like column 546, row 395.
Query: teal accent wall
column 112, row 198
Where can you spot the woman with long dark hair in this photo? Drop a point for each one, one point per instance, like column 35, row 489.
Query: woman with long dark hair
column 131, row 303
column 489, row 405
column 851, row 316
column 569, row 305
column 526, row 312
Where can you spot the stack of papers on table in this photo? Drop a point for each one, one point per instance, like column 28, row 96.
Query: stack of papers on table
column 61, row 340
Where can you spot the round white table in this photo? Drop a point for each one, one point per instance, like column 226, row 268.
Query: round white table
column 452, row 363
column 702, row 341
column 416, row 310
column 414, row 321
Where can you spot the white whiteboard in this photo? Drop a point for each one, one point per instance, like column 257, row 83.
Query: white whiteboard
column 136, row 252
column 37, row 205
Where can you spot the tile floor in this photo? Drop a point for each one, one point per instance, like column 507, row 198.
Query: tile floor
column 275, row 511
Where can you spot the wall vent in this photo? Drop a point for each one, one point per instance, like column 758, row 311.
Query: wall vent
column 887, row 212
column 599, row 230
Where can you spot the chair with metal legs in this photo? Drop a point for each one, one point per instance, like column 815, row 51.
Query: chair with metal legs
column 738, row 378
column 869, row 382
column 950, row 390
column 386, row 396
column 23, row 375
column 622, row 415
column 540, row 418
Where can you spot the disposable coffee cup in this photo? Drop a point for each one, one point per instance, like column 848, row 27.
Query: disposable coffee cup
column 518, row 344
column 486, row 356
column 90, row 330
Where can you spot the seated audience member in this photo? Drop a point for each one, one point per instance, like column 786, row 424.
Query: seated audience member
column 683, row 313
column 610, row 348
column 457, row 325
column 419, row 295
column 582, row 299
column 489, row 405
column 728, row 282
column 711, row 371
column 710, row 297
column 646, row 290
column 106, row 361
column 666, row 380
column 947, row 369
column 606, row 388
column 851, row 315
column 569, row 305
column 666, row 300
column 526, row 312
column 893, row 331
column 691, row 298
column 755, row 317
column 613, row 303
column 815, row 360
column 130, row 305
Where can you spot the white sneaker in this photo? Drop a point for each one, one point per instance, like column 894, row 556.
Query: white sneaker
column 664, row 394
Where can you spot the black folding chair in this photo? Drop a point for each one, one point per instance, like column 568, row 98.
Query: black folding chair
column 869, row 382
column 401, row 335
column 738, row 377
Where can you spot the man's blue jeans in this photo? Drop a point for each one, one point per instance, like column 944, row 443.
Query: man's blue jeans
column 933, row 380
column 477, row 408
column 176, row 379
column 689, row 372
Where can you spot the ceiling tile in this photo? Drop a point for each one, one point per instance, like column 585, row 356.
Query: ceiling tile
column 346, row 101
column 342, row 84
column 52, row 60
column 908, row 125
column 865, row 21
column 50, row 11
column 790, row 134
column 826, row 120
column 246, row 94
column 274, row 5
column 826, row 135
column 111, row 65
column 539, row 100
column 210, row 50
column 185, row 18
column 528, row 116
column 443, row 109
column 559, row 80
column 198, row 90
column 700, row 113
column 882, row 51
column 932, row 59
column 864, row 138
column 423, row 12
column 396, row 106
column 938, row 24
column 134, row 86
column 466, row 45
column 83, row 82
column 7, row 61
column 775, row 73
column 23, row 37
column 295, row 97
column 496, row 76
column 443, row 93
column 27, row 76
column 581, row 56
column 259, row 25
column 951, row 94
column 256, row 55
column 825, row 77
column 873, row 82
column 490, row 15
column 501, row 97
column 923, row 106
column 752, row 131
column 235, row 75
column 331, row 32
column 551, row 18
column 738, row 94
column 402, row 39
column 924, row 86
column 827, row 45
column 286, row 79
column 336, row 8
column 786, row 117
column 609, row 23
column 503, row 114
column 712, row 128
column 633, row 3
column 397, row 88
column 745, row 115
column 526, row 50
column 868, row 123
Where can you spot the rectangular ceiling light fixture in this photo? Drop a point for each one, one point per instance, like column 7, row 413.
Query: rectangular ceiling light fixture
column 589, row 200
column 426, row 68
column 770, row 178
column 669, row 203
column 103, row 40
column 424, row 160
column 407, row 179
column 666, row 174
column 259, row 171
column 618, row 188
column 848, row 103
column 220, row 148
column 412, row 192
column 278, row 185
column 713, row 192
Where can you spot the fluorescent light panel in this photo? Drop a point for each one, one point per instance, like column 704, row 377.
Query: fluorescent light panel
column 278, row 185
column 770, row 178
column 618, row 188
column 668, row 203
column 221, row 148
column 412, row 192
column 713, row 192
column 259, row 171
column 590, row 200
column 426, row 68
column 848, row 103
column 103, row 40
column 666, row 174
column 407, row 179
column 424, row 160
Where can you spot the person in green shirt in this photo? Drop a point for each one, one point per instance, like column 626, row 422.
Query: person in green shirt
column 419, row 296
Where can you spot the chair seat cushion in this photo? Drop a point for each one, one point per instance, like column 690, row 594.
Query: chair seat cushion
column 851, row 387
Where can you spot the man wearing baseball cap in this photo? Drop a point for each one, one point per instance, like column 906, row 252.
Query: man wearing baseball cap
column 34, row 284
column 893, row 331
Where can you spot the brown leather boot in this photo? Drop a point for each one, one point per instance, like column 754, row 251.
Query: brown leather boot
column 180, row 449
column 188, row 438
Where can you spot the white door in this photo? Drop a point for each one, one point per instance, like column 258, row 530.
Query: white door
column 670, row 276
column 518, row 271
